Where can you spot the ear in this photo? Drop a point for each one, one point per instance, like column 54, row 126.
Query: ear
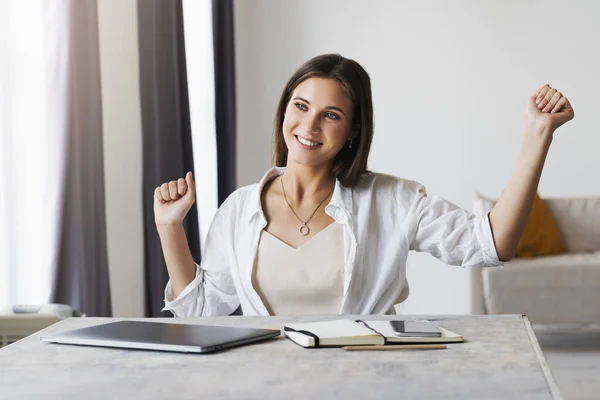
column 354, row 131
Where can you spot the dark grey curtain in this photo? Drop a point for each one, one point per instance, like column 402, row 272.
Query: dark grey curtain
column 81, row 278
column 224, row 59
column 166, row 133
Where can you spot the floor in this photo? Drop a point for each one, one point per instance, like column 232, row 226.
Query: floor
column 573, row 354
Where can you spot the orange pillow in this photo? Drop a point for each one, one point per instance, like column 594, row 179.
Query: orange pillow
column 541, row 236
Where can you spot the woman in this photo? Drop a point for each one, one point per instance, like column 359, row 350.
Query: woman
column 320, row 234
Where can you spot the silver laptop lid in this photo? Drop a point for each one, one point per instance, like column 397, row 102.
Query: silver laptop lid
column 161, row 336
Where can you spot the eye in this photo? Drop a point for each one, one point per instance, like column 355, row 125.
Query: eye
column 301, row 106
column 332, row 115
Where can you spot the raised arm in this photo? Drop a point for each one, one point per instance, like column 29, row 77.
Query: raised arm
column 547, row 109
column 172, row 202
column 194, row 290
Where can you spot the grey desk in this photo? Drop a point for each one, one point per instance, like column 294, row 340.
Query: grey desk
column 501, row 360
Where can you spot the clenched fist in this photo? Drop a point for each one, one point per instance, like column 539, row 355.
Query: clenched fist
column 548, row 109
column 173, row 200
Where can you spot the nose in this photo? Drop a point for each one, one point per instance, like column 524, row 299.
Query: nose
column 312, row 123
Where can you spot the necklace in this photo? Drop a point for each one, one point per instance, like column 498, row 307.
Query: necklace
column 304, row 229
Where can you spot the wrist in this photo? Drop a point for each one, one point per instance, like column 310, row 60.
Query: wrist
column 542, row 131
column 168, row 227
column 538, row 137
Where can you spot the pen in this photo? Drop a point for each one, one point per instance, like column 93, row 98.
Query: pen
column 396, row 347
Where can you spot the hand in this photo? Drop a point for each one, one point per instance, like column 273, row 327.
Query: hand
column 547, row 109
column 173, row 200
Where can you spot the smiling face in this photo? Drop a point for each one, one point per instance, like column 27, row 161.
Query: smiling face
column 317, row 122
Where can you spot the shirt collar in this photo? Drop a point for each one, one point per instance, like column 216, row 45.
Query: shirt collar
column 341, row 198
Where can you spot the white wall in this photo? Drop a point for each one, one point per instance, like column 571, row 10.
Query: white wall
column 450, row 81
column 122, row 154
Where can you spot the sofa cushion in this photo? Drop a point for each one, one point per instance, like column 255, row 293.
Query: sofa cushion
column 563, row 288
column 578, row 222
column 540, row 237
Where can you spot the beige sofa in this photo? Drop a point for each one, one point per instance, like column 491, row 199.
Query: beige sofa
column 554, row 289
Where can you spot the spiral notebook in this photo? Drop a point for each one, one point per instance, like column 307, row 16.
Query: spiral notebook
column 346, row 332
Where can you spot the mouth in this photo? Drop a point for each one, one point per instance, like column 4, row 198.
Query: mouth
column 309, row 144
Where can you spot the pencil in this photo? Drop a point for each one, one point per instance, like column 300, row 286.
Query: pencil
column 396, row 347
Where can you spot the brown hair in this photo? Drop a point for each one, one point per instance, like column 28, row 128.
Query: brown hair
column 349, row 163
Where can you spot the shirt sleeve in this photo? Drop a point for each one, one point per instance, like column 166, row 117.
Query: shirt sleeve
column 450, row 233
column 212, row 292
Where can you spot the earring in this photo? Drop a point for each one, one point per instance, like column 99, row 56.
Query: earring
column 350, row 143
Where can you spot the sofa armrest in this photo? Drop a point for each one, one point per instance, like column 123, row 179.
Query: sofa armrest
column 477, row 296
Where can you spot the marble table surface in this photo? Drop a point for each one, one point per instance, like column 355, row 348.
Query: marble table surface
column 501, row 359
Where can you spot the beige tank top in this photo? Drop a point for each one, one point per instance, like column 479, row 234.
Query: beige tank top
column 301, row 281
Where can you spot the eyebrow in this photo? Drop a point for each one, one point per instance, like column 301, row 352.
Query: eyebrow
column 331, row 107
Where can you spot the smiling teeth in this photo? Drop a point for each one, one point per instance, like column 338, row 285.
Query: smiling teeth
column 308, row 142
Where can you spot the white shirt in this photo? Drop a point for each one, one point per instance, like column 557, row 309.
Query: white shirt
column 384, row 217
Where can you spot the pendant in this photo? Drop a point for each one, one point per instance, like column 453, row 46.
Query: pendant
column 304, row 230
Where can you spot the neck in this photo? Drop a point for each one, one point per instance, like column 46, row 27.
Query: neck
column 311, row 183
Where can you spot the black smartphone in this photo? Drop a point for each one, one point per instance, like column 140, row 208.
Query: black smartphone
column 415, row 329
